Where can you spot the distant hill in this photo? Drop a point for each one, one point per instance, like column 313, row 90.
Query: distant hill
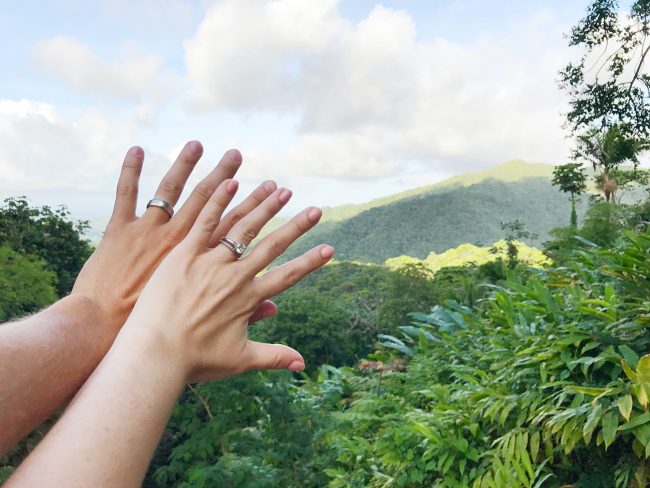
column 511, row 171
column 464, row 209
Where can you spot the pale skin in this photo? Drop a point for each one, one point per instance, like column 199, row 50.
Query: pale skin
column 46, row 358
column 189, row 324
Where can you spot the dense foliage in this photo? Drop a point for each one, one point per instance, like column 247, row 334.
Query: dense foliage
column 542, row 383
column 469, row 254
column 26, row 285
column 334, row 316
column 48, row 235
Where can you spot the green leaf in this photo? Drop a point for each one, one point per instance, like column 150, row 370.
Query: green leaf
column 592, row 422
column 625, row 406
column 643, row 369
column 591, row 391
column 610, row 425
column 534, row 445
column 629, row 372
column 629, row 355
column 636, row 421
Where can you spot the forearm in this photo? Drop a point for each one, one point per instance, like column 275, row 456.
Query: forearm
column 108, row 433
column 45, row 359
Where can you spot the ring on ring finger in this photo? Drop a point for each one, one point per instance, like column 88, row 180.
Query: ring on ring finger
column 236, row 247
column 160, row 203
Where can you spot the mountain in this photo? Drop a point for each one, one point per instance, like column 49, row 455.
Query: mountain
column 464, row 209
column 511, row 171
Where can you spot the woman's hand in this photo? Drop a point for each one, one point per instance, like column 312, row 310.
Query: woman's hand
column 197, row 306
column 132, row 247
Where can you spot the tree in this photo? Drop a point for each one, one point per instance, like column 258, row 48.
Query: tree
column 317, row 326
column 571, row 178
column 608, row 85
column 515, row 231
column 26, row 285
column 410, row 288
column 47, row 234
column 607, row 150
column 626, row 179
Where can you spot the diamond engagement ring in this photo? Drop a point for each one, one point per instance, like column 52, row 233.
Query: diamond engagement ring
column 235, row 247
column 157, row 202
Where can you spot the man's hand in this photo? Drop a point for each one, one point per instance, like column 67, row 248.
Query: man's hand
column 132, row 247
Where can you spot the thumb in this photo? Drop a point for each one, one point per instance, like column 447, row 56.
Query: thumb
column 273, row 356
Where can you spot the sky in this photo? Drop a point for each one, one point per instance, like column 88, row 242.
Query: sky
column 342, row 101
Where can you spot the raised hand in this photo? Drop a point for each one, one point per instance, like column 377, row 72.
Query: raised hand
column 199, row 302
column 133, row 246
column 189, row 324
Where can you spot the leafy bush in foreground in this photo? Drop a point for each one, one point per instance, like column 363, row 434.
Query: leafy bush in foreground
column 542, row 385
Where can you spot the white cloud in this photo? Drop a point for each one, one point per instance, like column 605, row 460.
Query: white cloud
column 131, row 75
column 251, row 54
column 373, row 97
column 40, row 150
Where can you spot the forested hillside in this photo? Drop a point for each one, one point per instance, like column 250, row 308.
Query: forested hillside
column 444, row 218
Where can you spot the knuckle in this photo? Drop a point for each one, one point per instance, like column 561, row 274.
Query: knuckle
column 127, row 190
column 230, row 161
column 204, row 190
column 132, row 164
column 292, row 276
column 170, row 186
column 276, row 247
column 300, row 225
column 277, row 361
column 210, row 222
column 235, row 216
column 258, row 196
column 188, row 160
column 314, row 260
column 174, row 234
column 249, row 234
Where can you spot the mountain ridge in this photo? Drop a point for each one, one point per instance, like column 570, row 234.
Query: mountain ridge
column 513, row 170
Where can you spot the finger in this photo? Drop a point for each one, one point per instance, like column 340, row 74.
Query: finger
column 126, row 196
column 283, row 277
column 247, row 228
column 209, row 217
column 280, row 239
column 227, row 167
column 259, row 355
column 173, row 182
column 251, row 202
column 265, row 309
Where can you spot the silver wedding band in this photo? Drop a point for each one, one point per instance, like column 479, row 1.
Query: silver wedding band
column 157, row 202
column 235, row 247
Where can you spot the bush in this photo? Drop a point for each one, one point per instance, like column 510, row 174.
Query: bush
column 26, row 285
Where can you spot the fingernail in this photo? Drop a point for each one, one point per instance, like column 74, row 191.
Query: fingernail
column 136, row 151
column 234, row 156
column 284, row 196
column 195, row 147
column 327, row 252
column 296, row 366
column 270, row 186
column 231, row 186
column 314, row 214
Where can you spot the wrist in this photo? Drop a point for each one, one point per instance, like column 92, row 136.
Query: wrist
column 154, row 348
column 85, row 318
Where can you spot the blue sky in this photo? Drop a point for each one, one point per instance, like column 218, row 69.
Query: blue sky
column 342, row 101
